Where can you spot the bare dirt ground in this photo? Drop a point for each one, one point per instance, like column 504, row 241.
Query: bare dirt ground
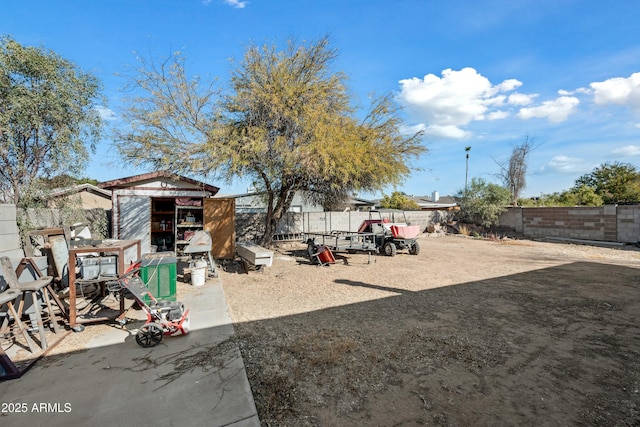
column 468, row 332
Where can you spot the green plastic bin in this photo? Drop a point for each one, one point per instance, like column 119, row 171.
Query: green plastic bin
column 158, row 271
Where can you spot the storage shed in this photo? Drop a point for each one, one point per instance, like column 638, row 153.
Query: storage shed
column 164, row 209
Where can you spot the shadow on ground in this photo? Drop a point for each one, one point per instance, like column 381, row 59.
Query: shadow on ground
column 554, row 346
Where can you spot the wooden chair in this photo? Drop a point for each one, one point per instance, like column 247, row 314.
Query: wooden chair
column 32, row 290
column 8, row 298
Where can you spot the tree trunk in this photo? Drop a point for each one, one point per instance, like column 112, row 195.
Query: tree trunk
column 274, row 214
column 271, row 222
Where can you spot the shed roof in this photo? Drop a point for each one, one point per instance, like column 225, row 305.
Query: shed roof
column 146, row 177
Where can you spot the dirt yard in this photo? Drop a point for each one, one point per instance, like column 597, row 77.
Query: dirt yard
column 468, row 332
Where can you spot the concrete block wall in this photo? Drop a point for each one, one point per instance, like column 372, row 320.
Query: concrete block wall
column 610, row 223
column 9, row 236
column 628, row 223
column 251, row 225
column 10, row 245
column 324, row 222
column 512, row 220
column 426, row 218
column 588, row 223
column 98, row 219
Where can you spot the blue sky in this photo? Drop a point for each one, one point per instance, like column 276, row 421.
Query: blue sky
column 484, row 74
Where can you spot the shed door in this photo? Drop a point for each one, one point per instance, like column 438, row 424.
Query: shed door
column 135, row 220
column 220, row 221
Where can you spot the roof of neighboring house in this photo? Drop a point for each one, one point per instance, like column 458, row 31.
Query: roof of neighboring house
column 77, row 189
column 352, row 200
column 360, row 201
column 426, row 202
column 145, row 177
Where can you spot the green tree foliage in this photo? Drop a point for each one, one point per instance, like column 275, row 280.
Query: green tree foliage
column 171, row 119
column 398, row 200
column 482, row 203
column 614, row 182
column 48, row 123
column 582, row 195
column 287, row 124
column 65, row 180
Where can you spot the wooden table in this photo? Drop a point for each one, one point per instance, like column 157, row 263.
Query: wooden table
column 112, row 247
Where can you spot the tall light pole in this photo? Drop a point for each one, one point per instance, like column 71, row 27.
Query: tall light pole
column 466, row 173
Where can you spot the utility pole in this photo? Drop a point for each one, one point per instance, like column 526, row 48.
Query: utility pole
column 466, row 174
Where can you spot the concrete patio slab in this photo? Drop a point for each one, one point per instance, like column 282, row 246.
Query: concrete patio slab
column 193, row 380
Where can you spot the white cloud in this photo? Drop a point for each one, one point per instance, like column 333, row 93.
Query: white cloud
column 508, row 85
column 452, row 101
column 566, row 164
column 498, row 115
column 238, row 4
column 555, row 111
column 629, row 150
column 520, row 99
column 618, row 90
column 412, row 130
column 496, row 101
column 436, row 130
column 448, row 131
column 106, row 113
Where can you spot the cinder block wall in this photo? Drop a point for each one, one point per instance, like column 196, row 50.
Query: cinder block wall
column 608, row 223
column 324, row 222
column 9, row 236
column 628, row 223
column 9, row 239
column 588, row 223
column 250, row 226
column 511, row 220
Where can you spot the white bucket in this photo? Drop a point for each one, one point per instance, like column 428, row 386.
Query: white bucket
column 199, row 273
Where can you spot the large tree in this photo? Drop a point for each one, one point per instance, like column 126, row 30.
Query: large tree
column 615, row 182
column 48, row 123
column 287, row 124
